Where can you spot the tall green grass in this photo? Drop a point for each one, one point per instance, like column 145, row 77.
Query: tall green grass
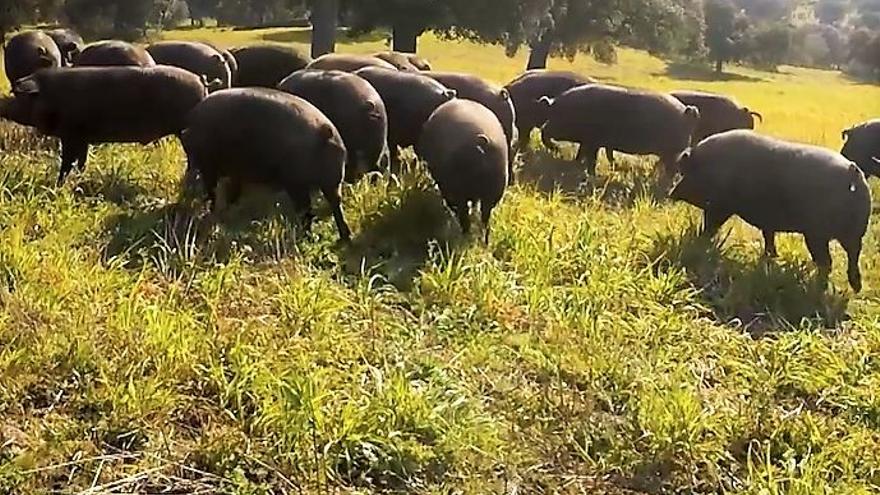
column 595, row 346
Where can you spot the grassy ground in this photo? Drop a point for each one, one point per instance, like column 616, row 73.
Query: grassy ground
column 595, row 346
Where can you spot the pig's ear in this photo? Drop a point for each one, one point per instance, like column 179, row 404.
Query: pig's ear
column 546, row 101
column 684, row 161
column 26, row 86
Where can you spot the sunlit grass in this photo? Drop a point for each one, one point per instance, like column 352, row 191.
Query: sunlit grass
column 595, row 346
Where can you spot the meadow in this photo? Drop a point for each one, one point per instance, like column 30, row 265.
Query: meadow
column 596, row 345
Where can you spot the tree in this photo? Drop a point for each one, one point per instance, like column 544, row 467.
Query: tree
column 126, row 19
column 569, row 27
column 831, row 11
column 324, row 18
column 407, row 19
column 48, row 10
column 766, row 10
column 199, row 10
column 769, row 46
column 12, row 14
column 722, row 31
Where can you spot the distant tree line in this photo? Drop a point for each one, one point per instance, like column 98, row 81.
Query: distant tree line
column 765, row 33
column 842, row 34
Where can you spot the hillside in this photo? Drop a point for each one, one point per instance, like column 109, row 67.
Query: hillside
column 595, row 346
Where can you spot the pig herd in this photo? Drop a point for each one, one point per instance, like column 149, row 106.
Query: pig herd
column 268, row 114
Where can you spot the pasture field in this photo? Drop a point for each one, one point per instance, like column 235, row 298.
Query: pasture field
column 594, row 346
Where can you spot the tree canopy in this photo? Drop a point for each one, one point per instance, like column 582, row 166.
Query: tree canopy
column 825, row 33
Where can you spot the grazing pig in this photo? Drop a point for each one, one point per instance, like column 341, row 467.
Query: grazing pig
column 198, row 58
column 29, row 52
column 265, row 66
column 347, row 62
column 264, row 136
column 526, row 92
column 409, row 99
column 354, row 107
column 113, row 53
column 466, row 150
column 718, row 113
column 778, row 186
column 409, row 62
column 863, row 144
column 92, row 105
column 69, row 43
column 492, row 97
column 629, row 120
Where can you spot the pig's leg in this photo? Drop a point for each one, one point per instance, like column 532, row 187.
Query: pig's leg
column 233, row 192
column 853, row 248
column 609, row 154
column 331, row 194
column 713, row 219
column 821, row 253
column 302, row 204
column 71, row 151
column 770, row 244
column 82, row 158
column 209, row 183
column 463, row 213
column 587, row 155
column 486, row 216
column 393, row 157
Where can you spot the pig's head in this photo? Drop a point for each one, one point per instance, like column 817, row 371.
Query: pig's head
column 688, row 188
column 22, row 106
column 860, row 148
column 222, row 70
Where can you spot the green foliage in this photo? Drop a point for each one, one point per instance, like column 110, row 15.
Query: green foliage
column 724, row 30
column 121, row 18
column 570, row 27
column 831, row 11
column 767, row 10
column 13, row 13
column 769, row 46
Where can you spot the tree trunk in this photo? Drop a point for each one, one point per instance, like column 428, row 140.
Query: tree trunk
column 719, row 66
column 540, row 53
column 406, row 38
column 325, row 14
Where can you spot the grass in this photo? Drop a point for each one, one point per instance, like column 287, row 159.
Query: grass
column 595, row 346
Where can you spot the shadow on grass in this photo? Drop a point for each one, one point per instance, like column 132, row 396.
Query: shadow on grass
column 398, row 239
column 760, row 295
column 619, row 186
column 302, row 36
column 548, row 172
column 262, row 227
column 114, row 185
column 698, row 72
